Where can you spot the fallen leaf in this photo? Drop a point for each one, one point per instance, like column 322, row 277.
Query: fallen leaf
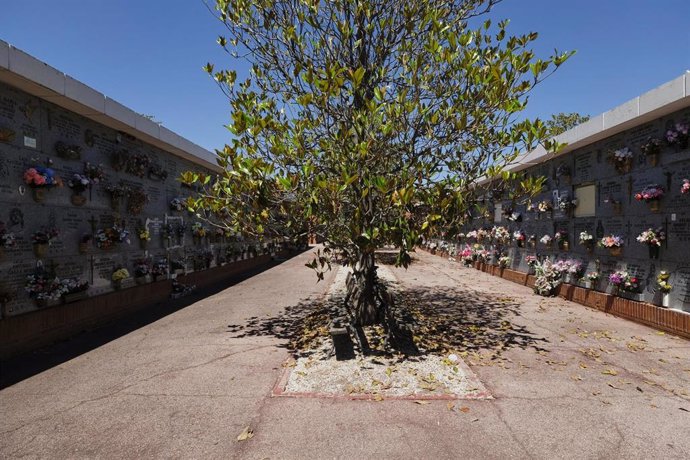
column 684, row 409
column 450, row 405
column 247, row 433
column 609, row 372
column 464, row 409
column 639, row 389
column 378, row 398
column 421, row 402
column 614, row 386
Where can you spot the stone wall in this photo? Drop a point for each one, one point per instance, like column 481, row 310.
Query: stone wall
column 591, row 165
column 30, row 130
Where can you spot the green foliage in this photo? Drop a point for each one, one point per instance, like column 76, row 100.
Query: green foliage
column 562, row 122
column 370, row 121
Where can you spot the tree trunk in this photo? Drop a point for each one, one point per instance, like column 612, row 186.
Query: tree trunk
column 362, row 292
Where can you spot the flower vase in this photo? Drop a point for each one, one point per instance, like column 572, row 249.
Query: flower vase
column 117, row 284
column 115, row 203
column 564, row 246
column 625, row 166
column 653, row 251
column 143, row 279
column 78, row 199
column 617, row 208
column 587, row 284
column 83, row 248
column 653, row 159
column 40, row 250
column 615, row 251
column 665, row 299
column 39, row 194
column 520, row 243
column 654, row 205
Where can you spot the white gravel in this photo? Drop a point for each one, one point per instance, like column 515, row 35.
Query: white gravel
column 423, row 376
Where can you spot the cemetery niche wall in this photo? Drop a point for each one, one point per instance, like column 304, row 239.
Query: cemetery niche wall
column 86, row 209
column 618, row 208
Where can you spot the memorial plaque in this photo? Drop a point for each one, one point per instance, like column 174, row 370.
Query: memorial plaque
column 584, row 166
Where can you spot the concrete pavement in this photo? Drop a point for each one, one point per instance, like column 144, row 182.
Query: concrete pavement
column 585, row 385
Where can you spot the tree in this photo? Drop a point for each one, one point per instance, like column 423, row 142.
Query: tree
column 562, row 122
column 370, row 120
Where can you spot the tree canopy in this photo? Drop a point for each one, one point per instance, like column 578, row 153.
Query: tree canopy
column 562, row 122
column 370, row 120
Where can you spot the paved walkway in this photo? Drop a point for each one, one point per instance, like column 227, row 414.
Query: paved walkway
column 570, row 383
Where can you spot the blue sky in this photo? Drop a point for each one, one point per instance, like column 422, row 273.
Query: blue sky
column 148, row 54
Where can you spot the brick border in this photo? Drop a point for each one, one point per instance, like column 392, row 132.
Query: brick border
column 674, row 321
column 32, row 330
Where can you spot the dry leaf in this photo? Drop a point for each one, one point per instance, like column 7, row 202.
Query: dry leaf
column 450, row 405
column 378, row 398
column 614, row 386
column 464, row 409
column 247, row 433
column 417, row 401
column 609, row 372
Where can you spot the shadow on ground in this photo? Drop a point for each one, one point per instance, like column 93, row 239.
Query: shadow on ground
column 26, row 365
column 442, row 320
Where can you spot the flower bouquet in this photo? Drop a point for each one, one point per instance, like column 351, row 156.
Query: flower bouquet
column 500, row 234
column 7, row 239
column 95, row 173
column 622, row 160
column 685, row 188
column 137, row 200
column 546, row 240
column 591, row 279
column 652, row 238
column 561, row 238
column 504, row 261
column 177, row 204
column 651, row 194
column 41, row 240
column 78, row 183
column 109, row 237
column 544, row 206
column 664, row 287
column 613, row 243
column 547, row 278
column 117, row 192
column 74, row 289
column 587, row 240
column 652, row 150
column 678, row 136
column 142, row 271
column 68, row 152
column 138, row 164
column 41, row 179
column 119, row 276
column 45, row 289
column 159, row 269
column 520, row 238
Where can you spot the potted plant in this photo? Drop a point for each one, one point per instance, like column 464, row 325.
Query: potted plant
column 652, row 150
column 652, row 238
column 84, row 243
column 78, row 183
column 119, row 276
column 587, row 240
column 74, row 289
column 117, row 193
column 546, row 240
column 544, row 208
column 107, row 238
column 137, row 164
column 95, row 173
column 651, row 195
column 677, row 136
column 144, row 237
column 44, row 288
column 137, row 199
column 41, row 179
column 664, row 287
column 177, row 204
column 68, row 152
column 561, row 238
column 591, row 280
column 575, row 271
column 159, row 269
column 613, row 243
column 622, row 160
column 142, row 271
column 41, row 240
column 198, row 232
column 520, row 238
column 157, row 173
column 531, row 263
column 7, row 239
column 616, row 281
column 566, row 205
column 547, row 279
column 500, row 235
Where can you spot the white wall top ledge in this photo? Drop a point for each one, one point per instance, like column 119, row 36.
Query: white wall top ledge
column 44, row 81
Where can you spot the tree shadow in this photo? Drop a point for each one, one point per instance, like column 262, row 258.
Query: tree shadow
column 442, row 320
